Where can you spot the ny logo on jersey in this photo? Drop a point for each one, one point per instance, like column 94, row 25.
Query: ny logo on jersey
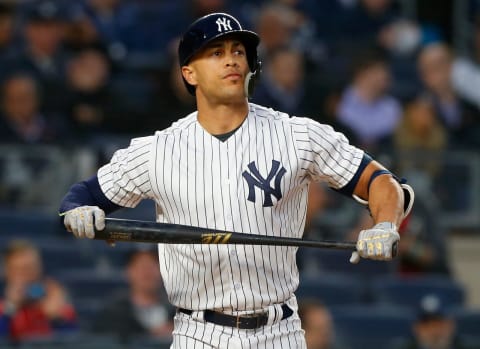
column 255, row 179
column 223, row 24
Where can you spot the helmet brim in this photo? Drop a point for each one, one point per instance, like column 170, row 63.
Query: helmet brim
column 248, row 38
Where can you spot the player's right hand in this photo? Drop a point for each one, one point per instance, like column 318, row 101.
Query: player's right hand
column 80, row 221
column 376, row 243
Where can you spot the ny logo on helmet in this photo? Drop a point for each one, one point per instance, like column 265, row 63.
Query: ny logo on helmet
column 255, row 179
column 223, row 24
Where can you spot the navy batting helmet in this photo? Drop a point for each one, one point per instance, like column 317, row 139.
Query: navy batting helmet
column 214, row 26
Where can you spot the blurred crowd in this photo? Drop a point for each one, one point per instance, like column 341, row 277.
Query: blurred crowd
column 72, row 71
column 79, row 73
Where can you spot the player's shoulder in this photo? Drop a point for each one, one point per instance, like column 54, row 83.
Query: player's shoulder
column 295, row 122
column 178, row 126
column 262, row 112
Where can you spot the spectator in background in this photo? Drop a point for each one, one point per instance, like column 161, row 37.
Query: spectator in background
column 88, row 78
column 423, row 248
column 6, row 27
column 433, row 327
column 281, row 24
column 21, row 120
column 200, row 8
column 365, row 107
column 435, row 67
column 282, row 86
column 365, row 21
column 275, row 24
column 42, row 55
column 141, row 311
column 113, row 23
column 419, row 144
column 466, row 81
column 173, row 97
column 318, row 325
column 466, row 70
column 420, row 139
column 304, row 30
column 169, row 18
column 34, row 305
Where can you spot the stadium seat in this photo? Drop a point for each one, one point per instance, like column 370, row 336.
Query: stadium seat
column 60, row 255
column 77, row 340
column 85, row 284
column 86, row 310
column 114, row 257
column 407, row 291
column 150, row 343
column 338, row 262
column 28, row 224
column 367, row 326
column 331, row 289
column 468, row 321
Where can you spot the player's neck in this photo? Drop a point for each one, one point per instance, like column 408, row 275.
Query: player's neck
column 221, row 118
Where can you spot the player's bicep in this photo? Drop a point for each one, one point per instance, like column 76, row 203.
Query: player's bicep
column 334, row 159
column 125, row 180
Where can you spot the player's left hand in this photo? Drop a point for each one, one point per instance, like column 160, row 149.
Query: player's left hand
column 376, row 243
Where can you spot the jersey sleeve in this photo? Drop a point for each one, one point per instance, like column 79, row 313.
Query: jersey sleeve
column 125, row 179
column 329, row 155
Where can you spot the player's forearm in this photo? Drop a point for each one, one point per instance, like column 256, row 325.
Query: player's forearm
column 87, row 193
column 386, row 200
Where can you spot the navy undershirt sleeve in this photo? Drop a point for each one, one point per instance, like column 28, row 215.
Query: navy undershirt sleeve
column 87, row 193
column 349, row 188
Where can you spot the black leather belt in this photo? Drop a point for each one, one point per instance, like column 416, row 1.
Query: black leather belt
column 245, row 322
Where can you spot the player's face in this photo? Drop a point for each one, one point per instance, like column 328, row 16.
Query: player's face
column 219, row 70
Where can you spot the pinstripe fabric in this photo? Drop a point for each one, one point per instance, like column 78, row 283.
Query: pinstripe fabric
column 195, row 179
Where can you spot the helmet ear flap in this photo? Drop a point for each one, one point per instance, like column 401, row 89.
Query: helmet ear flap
column 252, row 78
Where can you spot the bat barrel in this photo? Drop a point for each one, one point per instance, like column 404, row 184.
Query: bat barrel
column 141, row 231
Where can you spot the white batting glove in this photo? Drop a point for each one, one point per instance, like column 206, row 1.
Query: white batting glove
column 80, row 221
column 376, row 243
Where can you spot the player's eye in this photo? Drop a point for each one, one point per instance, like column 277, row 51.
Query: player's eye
column 217, row 53
column 239, row 52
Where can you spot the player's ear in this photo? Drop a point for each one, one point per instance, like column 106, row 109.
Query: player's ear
column 188, row 74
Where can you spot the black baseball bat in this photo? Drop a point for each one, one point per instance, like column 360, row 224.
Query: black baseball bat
column 167, row 233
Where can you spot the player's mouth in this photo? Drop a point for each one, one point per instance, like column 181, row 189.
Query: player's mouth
column 232, row 76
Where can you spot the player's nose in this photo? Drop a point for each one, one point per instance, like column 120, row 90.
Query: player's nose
column 231, row 59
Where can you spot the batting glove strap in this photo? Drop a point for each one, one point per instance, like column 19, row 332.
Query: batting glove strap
column 377, row 242
column 81, row 220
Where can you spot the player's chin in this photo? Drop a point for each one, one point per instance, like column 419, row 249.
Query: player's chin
column 235, row 88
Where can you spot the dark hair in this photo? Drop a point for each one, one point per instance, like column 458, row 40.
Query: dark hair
column 132, row 255
column 19, row 246
column 6, row 9
column 368, row 58
column 45, row 11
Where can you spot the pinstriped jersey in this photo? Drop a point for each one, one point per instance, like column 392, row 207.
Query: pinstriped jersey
column 254, row 182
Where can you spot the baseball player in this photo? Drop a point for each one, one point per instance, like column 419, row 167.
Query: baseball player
column 235, row 166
